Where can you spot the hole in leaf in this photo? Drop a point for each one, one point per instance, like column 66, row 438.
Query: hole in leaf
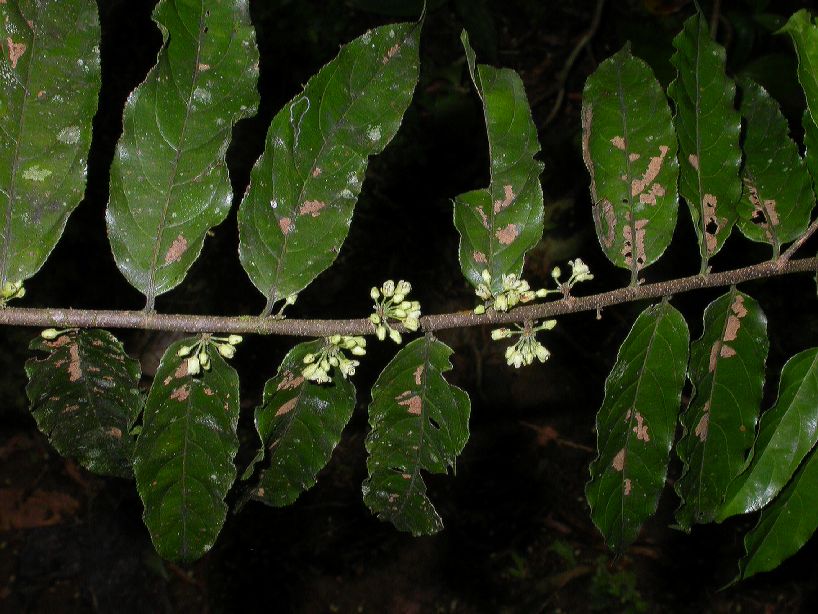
column 711, row 227
column 758, row 217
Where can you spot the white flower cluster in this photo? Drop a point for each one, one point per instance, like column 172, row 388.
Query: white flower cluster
column 332, row 355
column 10, row 290
column 198, row 356
column 579, row 273
column 527, row 347
column 391, row 305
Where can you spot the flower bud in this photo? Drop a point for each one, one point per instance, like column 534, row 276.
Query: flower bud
column 182, row 351
column 374, row 293
column 234, row 339
column 395, row 336
column 480, row 309
column 501, row 303
column 555, row 272
column 50, row 333
column 309, row 358
column 358, row 351
column 193, row 366
column 380, row 332
column 227, row 350
column 500, row 333
column 388, row 288
column 486, row 276
column 375, row 318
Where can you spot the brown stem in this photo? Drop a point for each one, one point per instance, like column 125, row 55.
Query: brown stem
column 90, row 318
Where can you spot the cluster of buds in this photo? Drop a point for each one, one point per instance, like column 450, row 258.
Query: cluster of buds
column 391, row 306
column 527, row 348
column 318, row 366
column 579, row 273
column 515, row 291
column 10, row 290
column 198, row 357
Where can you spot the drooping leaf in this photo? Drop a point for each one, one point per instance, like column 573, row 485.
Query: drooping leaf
column 296, row 213
column 786, row 524
column 49, row 63
column 777, row 201
column 299, row 423
column 727, row 372
column 636, row 424
column 499, row 224
column 786, row 434
column 183, row 462
column 804, row 35
column 419, row 422
column 629, row 147
column 708, row 129
column 85, row 399
column 169, row 181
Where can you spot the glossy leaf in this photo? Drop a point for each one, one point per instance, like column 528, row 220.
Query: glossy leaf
column 778, row 199
column 629, row 147
column 636, row 424
column 804, row 35
column 299, row 423
column 169, row 181
column 297, row 211
column 500, row 223
column 85, row 399
column 727, row 372
column 49, row 64
column 419, row 422
column 786, row 524
column 708, row 129
column 184, row 455
column 786, row 434
column 810, row 146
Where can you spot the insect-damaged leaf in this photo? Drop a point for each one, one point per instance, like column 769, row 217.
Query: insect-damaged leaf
column 419, row 422
column 183, row 462
column 804, row 35
column 786, row 433
column 299, row 423
column 786, row 524
column 636, row 424
column 708, row 129
column 777, row 201
column 49, row 64
column 629, row 147
column 169, row 181
column 727, row 372
column 84, row 397
column 499, row 224
column 297, row 211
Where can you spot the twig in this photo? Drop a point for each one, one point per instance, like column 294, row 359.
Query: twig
column 798, row 243
column 562, row 76
column 91, row 318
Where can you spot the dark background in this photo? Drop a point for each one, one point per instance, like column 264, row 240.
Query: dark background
column 518, row 536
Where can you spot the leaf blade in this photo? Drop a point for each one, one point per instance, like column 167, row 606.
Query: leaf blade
column 636, row 424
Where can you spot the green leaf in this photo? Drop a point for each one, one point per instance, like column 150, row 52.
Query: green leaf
column 629, row 147
column 778, row 199
column 786, row 433
column 636, row 424
column 296, row 213
column 169, row 181
column 499, row 224
column 785, row 525
column 804, row 35
column 810, row 146
column 49, row 61
column 419, row 422
column 85, row 399
column 184, row 455
column 727, row 372
column 300, row 424
column 708, row 129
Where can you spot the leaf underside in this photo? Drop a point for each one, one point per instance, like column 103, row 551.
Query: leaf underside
column 708, row 128
column 499, row 224
column 636, row 424
column 727, row 372
column 183, row 462
column 419, row 422
column 629, row 147
column 298, row 208
column 299, row 423
column 49, row 61
column 85, row 399
column 169, row 181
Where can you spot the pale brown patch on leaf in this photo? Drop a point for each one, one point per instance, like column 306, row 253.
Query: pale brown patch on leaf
column 167, row 380
column 418, row 375
column 727, row 351
column 633, row 156
column 619, row 460
column 69, row 409
column 414, row 404
column 181, row 370
column 74, row 370
column 114, row 432
column 714, row 356
column 508, row 198
column 694, row 161
column 649, row 197
column 180, row 394
column 636, row 244
column 712, row 223
column 289, row 381
column 287, row 407
column 176, row 250
column 16, row 50
column 587, row 120
column 507, row 235
column 405, row 476
column 483, row 217
column 58, row 342
column 312, row 207
column 654, row 166
column 316, row 172
column 765, row 214
column 619, row 143
column 286, row 225
column 609, row 215
column 208, row 391
column 390, row 53
column 204, row 67
column 480, row 257
column 702, row 426
column 641, row 429
column 628, row 485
